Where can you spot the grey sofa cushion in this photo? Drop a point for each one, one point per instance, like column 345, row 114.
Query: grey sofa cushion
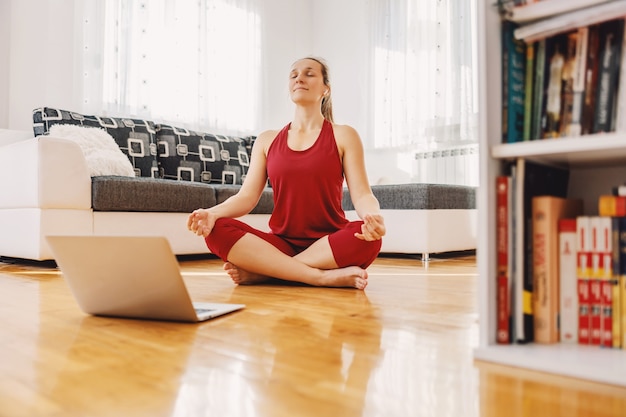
column 112, row 193
column 264, row 206
column 420, row 197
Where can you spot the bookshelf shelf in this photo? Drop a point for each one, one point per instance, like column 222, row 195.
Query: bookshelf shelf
column 591, row 363
column 591, row 150
column 597, row 161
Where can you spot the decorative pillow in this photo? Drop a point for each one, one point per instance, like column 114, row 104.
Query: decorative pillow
column 102, row 154
column 136, row 138
column 201, row 157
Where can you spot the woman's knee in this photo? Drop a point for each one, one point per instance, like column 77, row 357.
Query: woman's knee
column 225, row 233
column 356, row 252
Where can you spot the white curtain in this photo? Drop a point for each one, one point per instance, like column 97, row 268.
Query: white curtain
column 191, row 63
column 425, row 77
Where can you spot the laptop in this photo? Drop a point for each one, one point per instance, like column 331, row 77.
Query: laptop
column 130, row 277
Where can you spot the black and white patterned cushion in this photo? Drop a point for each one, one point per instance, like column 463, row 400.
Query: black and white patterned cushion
column 136, row 138
column 186, row 155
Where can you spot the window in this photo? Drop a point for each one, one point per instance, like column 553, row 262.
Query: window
column 425, row 79
column 195, row 64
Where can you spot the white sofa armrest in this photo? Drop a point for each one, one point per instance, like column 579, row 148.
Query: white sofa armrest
column 44, row 172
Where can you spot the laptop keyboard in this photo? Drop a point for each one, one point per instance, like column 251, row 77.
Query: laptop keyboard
column 204, row 310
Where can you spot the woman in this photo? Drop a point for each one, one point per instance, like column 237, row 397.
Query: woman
column 311, row 240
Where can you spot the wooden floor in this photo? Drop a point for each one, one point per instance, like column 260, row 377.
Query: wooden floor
column 402, row 348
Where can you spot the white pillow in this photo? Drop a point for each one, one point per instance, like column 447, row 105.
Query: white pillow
column 103, row 155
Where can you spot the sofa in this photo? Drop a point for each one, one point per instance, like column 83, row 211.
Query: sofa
column 47, row 187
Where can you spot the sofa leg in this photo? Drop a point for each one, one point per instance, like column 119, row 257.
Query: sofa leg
column 425, row 257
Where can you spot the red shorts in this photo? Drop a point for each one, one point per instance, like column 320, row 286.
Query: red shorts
column 347, row 249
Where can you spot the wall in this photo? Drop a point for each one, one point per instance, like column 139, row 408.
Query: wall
column 5, row 42
column 41, row 40
column 287, row 33
column 41, row 64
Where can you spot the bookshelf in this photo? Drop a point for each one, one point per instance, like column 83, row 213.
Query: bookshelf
column 596, row 163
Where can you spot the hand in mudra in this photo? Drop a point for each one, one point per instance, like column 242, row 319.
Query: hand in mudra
column 373, row 227
column 201, row 222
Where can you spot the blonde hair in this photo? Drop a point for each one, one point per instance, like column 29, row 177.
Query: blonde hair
column 327, row 101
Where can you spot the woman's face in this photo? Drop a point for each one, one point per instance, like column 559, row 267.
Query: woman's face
column 306, row 81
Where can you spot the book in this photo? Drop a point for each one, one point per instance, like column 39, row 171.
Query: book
column 620, row 112
column 611, row 38
column 538, row 106
column 565, row 22
column 546, row 212
column 604, row 248
column 612, row 205
column 591, row 80
column 595, row 284
column 619, row 190
column 532, row 179
column 578, row 83
column 504, row 259
column 567, row 77
column 528, row 93
column 583, row 273
column 546, row 8
column 556, row 57
column 568, row 313
column 513, row 88
column 618, row 231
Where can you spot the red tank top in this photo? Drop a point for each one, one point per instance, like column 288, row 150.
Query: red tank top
column 308, row 188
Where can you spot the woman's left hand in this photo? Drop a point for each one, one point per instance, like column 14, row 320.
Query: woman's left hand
column 373, row 227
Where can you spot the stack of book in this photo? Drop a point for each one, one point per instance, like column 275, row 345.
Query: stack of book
column 561, row 74
column 561, row 273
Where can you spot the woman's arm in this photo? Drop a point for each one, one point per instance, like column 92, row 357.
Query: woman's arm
column 201, row 221
column 365, row 203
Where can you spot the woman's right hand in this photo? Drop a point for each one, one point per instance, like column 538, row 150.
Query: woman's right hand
column 201, row 222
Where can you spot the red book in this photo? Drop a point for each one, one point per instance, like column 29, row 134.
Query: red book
column 605, row 248
column 568, row 313
column 503, row 240
column 595, row 281
column 583, row 268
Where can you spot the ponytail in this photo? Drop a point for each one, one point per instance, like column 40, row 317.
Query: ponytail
column 327, row 101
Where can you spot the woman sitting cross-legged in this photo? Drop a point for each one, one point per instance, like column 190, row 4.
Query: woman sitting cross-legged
column 311, row 241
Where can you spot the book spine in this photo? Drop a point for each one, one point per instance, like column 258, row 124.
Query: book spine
column 541, row 257
column 620, row 113
column 528, row 94
column 567, row 76
column 538, row 90
column 605, row 249
column 619, row 276
column 583, row 263
column 595, row 283
column 611, row 37
column 547, row 211
column 503, row 207
column 568, row 316
column 556, row 50
column 591, row 77
column 612, row 205
column 580, row 66
column 513, row 88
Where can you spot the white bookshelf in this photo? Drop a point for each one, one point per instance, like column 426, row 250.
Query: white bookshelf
column 595, row 159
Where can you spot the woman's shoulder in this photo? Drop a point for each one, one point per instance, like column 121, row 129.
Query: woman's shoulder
column 345, row 132
column 268, row 134
column 265, row 139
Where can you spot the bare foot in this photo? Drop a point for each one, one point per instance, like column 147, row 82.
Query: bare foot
column 351, row 276
column 241, row 277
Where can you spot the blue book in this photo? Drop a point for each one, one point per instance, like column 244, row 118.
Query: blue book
column 513, row 84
